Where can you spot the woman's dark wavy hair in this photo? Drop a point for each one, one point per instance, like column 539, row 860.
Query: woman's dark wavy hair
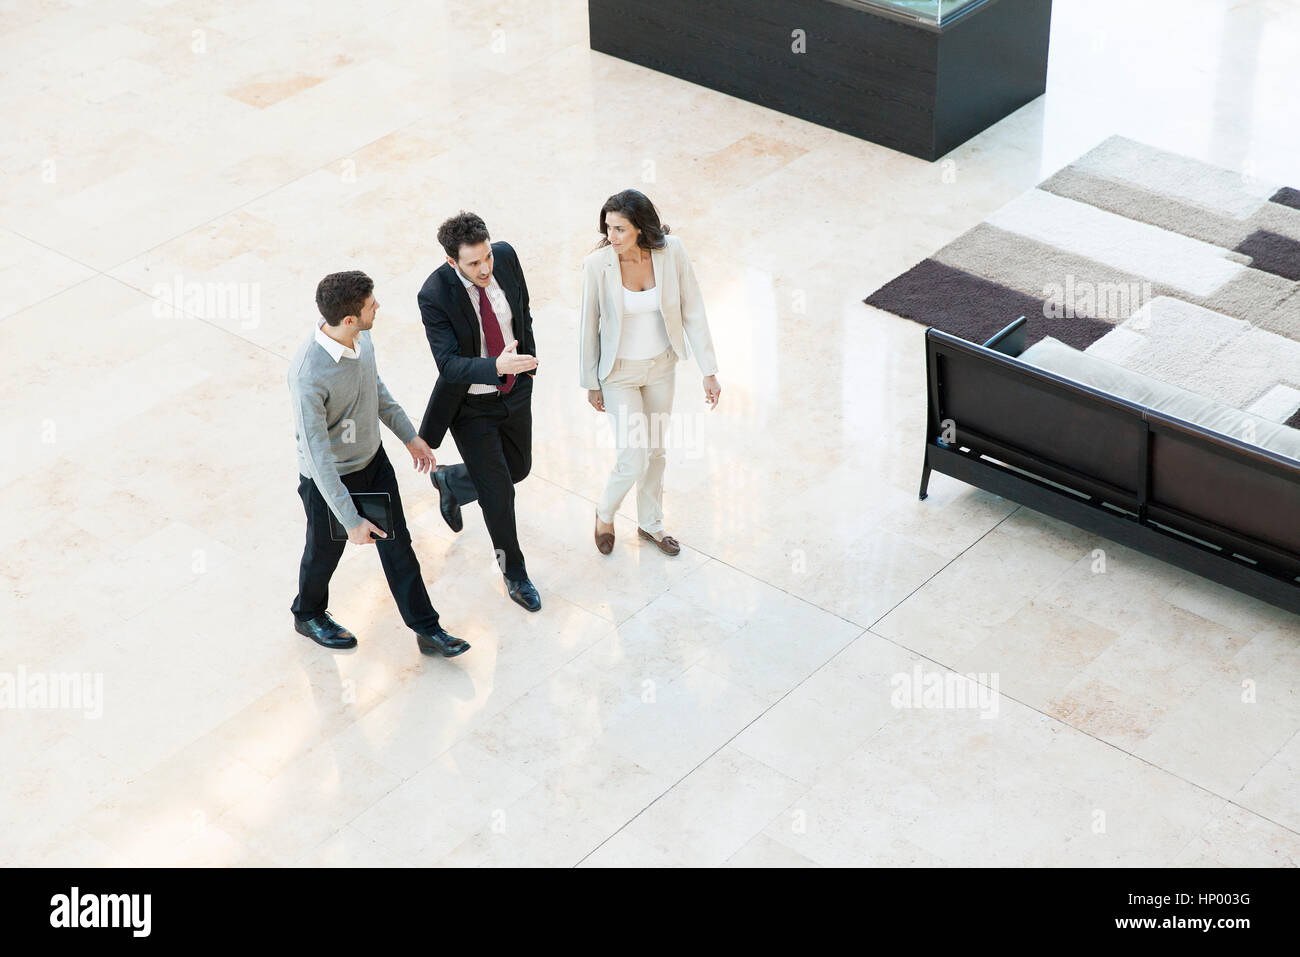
column 641, row 213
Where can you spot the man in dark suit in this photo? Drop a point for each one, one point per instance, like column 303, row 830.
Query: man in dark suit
column 475, row 312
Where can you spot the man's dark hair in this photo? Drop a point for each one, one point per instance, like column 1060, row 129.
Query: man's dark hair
column 463, row 229
column 343, row 294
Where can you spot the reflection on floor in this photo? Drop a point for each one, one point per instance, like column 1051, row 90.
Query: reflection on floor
column 733, row 705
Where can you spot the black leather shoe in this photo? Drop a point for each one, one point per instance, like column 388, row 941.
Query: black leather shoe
column 446, row 500
column 441, row 643
column 325, row 631
column 523, row 593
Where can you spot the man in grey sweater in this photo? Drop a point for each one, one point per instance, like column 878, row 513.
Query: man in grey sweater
column 338, row 403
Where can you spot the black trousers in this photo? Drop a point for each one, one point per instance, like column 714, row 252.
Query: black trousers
column 495, row 437
column 322, row 553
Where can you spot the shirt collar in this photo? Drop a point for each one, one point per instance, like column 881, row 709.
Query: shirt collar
column 337, row 350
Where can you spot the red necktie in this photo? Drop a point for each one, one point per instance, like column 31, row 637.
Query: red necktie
column 492, row 334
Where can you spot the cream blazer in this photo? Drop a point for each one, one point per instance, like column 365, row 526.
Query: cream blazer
column 602, row 310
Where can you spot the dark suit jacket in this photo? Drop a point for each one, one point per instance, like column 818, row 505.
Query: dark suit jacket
column 455, row 336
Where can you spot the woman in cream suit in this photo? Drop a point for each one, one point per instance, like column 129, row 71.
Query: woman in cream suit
column 641, row 306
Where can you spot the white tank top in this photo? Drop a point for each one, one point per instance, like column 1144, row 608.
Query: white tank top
column 644, row 334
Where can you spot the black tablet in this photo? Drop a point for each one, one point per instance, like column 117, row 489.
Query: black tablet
column 375, row 507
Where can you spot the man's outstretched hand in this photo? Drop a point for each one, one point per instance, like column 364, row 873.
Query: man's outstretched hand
column 512, row 363
column 421, row 455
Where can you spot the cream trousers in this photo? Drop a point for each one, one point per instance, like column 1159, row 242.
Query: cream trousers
column 639, row 400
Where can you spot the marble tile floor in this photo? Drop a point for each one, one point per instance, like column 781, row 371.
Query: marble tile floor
column 732, row 706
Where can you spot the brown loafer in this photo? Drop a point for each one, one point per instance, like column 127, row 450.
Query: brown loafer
column 668, row 545
column 604, row 541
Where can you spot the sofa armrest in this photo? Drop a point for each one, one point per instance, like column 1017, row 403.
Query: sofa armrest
column 1011, row 340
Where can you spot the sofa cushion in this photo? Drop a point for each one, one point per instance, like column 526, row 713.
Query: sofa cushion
column 1054, row 356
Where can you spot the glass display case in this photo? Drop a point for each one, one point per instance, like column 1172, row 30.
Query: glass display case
column 937, row 12
column 919, row 76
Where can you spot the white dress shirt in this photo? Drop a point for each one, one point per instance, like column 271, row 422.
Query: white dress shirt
column 500, row 306
column 335, row 348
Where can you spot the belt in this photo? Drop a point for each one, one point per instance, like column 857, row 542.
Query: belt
column 496, row 395
column 493, row 397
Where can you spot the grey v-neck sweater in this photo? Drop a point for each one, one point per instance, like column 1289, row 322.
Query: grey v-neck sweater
column 337, row 408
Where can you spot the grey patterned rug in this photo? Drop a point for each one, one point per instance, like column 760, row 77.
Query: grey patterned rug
column 1163, row 264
